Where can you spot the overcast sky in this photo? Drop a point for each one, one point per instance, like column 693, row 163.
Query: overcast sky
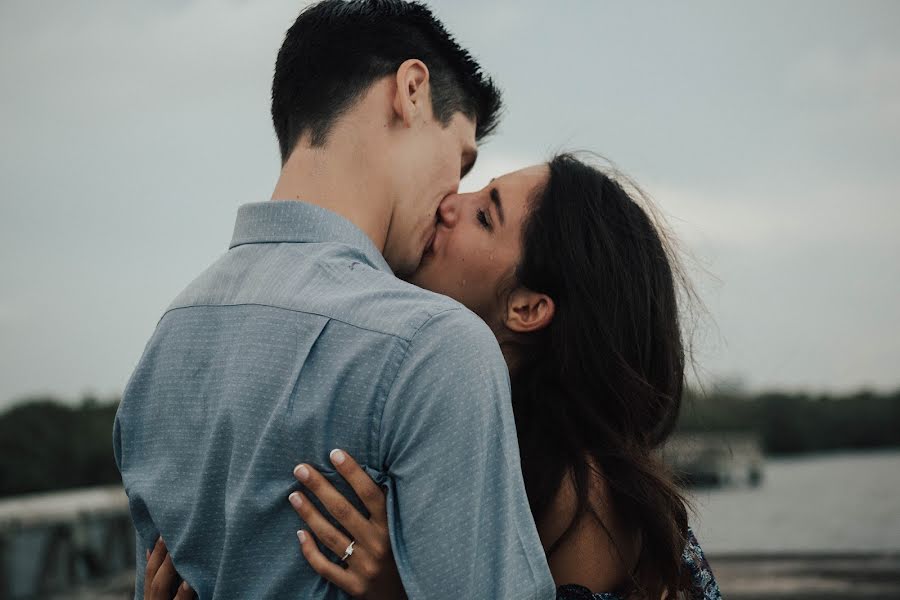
column 768, row 133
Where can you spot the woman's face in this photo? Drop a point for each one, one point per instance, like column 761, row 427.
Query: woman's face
column 478, row 242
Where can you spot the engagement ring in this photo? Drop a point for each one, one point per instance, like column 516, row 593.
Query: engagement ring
column 349, row 551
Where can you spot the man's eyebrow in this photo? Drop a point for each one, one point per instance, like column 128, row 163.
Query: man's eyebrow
column 495, row 198
column 469, row 158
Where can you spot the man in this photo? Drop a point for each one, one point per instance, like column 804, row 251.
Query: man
column 301, row 339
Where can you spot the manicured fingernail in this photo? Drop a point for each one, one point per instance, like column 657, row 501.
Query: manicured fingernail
column 295, row 500
column 148, row 555
column 301, row 535
column 185, row 587
column 301, row 472
column 337, row 456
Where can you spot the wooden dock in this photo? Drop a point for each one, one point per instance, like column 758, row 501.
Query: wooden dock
column 819, row 576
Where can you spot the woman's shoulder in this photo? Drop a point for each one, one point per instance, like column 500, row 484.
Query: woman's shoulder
column 579, row 592
column 596, row 548
column 703, row 582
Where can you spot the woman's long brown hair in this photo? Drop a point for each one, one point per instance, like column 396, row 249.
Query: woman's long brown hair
column 602, row 384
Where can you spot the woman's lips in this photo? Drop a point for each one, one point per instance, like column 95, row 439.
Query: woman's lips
column 429, row 246
column 437, row 239
column 428, row 250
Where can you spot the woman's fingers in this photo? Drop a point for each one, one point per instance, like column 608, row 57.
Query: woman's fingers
column 371, row 570
column 333, row 501
column 330, row 535
column 161, row 586
column 160, row 576
column 368, row 491
column 343, row 578
column 154, row 562
column 184, row 592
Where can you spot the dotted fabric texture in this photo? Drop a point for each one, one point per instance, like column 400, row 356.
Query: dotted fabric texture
column 299, row 340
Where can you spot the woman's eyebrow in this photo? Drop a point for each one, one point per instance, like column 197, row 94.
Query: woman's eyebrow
column 495, row 198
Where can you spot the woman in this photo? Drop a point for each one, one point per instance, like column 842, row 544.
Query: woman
column 580, row 288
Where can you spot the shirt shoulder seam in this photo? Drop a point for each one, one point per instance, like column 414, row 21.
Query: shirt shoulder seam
column 400, row 368
column 308, row 312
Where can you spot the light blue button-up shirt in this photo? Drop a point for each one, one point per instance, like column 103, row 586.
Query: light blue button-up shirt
column 299, row 340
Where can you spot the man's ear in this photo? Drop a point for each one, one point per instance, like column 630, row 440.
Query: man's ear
column 528, row 311
column 413, row 91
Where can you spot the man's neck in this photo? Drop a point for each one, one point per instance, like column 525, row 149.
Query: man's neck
column 338, row 180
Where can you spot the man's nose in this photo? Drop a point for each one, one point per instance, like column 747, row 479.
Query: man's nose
column 449, row 210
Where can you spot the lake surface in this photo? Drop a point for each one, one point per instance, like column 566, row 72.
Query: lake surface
column 828, row 503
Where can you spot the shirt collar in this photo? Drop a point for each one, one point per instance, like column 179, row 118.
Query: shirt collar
column 293, row 221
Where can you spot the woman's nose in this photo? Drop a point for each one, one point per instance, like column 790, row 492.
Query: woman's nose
column 449, row 210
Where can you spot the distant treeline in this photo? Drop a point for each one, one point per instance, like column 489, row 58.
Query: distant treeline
column 797, row 423
column 46, row 445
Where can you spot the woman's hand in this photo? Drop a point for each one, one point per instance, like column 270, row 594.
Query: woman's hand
column 371, row 572
column 160, row 576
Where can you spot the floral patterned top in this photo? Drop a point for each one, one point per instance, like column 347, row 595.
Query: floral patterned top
column 703, row 583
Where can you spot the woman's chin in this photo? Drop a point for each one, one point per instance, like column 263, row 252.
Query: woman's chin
column 418, row 276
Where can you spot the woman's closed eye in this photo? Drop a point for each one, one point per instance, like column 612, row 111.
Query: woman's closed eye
column 484, row 219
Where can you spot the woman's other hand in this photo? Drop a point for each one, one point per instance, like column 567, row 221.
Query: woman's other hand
column 371, row 571
column 160, row 576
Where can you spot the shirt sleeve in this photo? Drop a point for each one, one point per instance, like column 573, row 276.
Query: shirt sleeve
column 459, row 519
column 140, row 566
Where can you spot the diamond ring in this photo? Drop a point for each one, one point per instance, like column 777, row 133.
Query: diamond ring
column 349, row 551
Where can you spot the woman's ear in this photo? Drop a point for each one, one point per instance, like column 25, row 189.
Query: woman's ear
column 528, row 311
column 413, row 91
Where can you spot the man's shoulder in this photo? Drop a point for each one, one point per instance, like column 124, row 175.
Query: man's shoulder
column 328, row 280
column 378, row 300
column 455, row 327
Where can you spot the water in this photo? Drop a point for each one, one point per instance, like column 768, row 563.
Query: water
column 830, row 503
column 833, row 504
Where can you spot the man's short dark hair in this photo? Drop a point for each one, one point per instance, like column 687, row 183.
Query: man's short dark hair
column 336, row 49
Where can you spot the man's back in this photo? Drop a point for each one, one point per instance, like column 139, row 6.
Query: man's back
column 297, row 341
